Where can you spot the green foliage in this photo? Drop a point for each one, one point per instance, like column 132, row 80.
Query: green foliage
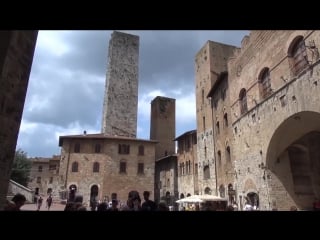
column 21, row 168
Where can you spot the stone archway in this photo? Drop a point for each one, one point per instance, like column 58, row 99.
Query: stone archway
column 94, row 192
column 253, row 199
column 207, row 190
column 72, row 192
column 293, row 162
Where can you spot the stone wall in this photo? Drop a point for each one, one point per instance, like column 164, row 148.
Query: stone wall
column 15, row 188
column 272, row 124
column 16, row 54
column 210, row 62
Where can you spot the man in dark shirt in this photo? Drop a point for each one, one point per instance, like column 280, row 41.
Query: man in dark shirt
column 148, row 205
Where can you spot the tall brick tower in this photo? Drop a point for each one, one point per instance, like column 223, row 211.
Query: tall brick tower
column 163, row 125
column 120, row 104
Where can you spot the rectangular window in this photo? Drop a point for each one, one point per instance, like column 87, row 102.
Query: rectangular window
column 124, row 149
column 52, row 167
column 77, row 148
column 204, row 123
column 38, row 179
column 141, row 150
column 123, row 167
column 51, row 180
column 140, row 168
column 97, row 148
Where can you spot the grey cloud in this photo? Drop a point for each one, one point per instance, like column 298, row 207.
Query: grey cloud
column 72, row 84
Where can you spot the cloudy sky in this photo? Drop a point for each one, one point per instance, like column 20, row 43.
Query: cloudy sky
column 67, row 81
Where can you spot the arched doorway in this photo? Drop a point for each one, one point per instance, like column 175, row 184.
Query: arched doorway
column 253, row 199
column 49, row 191
column 207, row 190
column 72, row 192
column 94, row 191
column 222, row 191
column 293, row 162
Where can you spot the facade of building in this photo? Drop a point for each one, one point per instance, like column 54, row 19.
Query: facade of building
column 96, row 166
column 187, row 164
column 162, row 129
column 212, row 135
column 44, row 176
column 265, row 118
column 166, row 180
column 275, row 118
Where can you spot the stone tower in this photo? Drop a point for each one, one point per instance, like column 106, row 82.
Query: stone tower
column 162, row 126
column 120, row 104
column 212, row 133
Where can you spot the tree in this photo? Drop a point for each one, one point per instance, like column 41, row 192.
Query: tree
column 21, row 168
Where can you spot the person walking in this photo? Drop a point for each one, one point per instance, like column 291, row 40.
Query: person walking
column 49, row 202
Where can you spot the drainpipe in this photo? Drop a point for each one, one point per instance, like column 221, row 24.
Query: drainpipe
column 68, row 161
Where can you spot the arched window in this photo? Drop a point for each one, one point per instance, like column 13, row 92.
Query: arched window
column 74, row 167
column 96, row 167
column 202, row 96
column 225, row 117
column 206, row 172
column 218, row 127
column 243, row 101
column 222, row 191
column 207, row 190
column 297, row 55
column 219, row 158
column 141, row 150
column 228, row 155
column 264, row 83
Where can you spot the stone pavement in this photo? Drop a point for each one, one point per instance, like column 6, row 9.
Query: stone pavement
column 33, row 207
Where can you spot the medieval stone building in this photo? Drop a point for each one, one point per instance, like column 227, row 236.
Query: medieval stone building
column 212, row 118
column 44, row 175
column 96, row 165
column 162, row 129
column 265, row 118
column 187, row 164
